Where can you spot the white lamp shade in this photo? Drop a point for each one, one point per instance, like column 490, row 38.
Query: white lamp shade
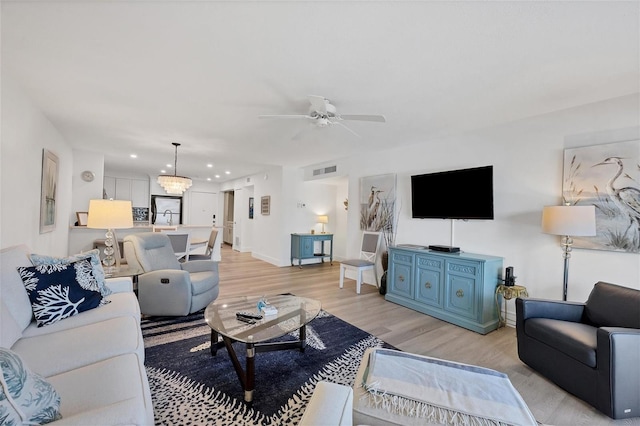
column 578, row 221
column 323, row 219
column 110, row 214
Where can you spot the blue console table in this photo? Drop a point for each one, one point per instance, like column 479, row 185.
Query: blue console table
column 303, row 247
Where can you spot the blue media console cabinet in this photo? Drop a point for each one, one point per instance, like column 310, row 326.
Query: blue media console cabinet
column 303, row 247
column 455, row 287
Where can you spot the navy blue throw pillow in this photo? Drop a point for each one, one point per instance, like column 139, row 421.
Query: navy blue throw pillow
column 61, row 291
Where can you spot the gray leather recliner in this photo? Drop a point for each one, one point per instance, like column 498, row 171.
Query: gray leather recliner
column 168, row 287
column 591, row 349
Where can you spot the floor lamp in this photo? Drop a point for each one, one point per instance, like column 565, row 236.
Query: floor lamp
column 110, row 215
column 568, row 221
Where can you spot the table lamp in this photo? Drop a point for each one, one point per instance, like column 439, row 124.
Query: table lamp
column 323, row 219
column 110, row 215
column 568, row 221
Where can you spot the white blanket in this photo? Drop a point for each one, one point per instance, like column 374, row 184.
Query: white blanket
column 443, row 391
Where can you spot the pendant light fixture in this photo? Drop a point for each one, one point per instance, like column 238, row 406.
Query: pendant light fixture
column 175, row 184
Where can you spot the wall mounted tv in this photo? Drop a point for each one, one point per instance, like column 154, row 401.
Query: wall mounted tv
column 453, row 194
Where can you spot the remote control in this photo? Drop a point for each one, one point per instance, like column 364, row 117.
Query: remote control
column 249, row 315
column 245, row 319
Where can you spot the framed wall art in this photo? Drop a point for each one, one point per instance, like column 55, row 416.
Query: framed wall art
column 607, row 177
column 265, row 205
column 377, row 205
column 250, row 207
column 48, row 191
column 83, row 218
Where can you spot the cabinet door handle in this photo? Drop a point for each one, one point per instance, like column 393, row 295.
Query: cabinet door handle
column 460, row 293
column 401, row 278
column 427, row 284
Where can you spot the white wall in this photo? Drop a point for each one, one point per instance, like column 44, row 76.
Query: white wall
column 84, row 191
column 25, row 133
column 527, row 156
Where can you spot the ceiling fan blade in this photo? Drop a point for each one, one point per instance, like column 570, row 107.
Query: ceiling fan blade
column 360, row 117
column 351, row 131
column 285, row 116
column 318, row 103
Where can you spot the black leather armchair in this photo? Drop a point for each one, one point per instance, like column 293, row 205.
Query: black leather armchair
column 591, row 349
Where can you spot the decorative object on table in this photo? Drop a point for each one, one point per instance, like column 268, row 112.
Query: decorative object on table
column 608, row 177
column 82, row 218
column 110, row 215
column 265, row 205
column 568, row 221
column 323, row 219
column 250, row 207
column 48, row 191
column 182, row 386
column 509, row 278
column 175, row 184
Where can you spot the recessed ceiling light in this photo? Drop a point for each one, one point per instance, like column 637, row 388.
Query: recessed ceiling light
column 133, row 156
column 209, row 179
column 209, row 165
column 217, row 176
column 169, row 166
column 163, row 171
column 227, row 172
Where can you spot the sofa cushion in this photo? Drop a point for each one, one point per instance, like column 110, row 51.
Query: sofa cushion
column 81, row 346
column 93, row 256
column 10, row 331
column 60, row 291
column 611, row 305
column 574, row 339
column 25, row 397
column 113, row 391
column 11, row 287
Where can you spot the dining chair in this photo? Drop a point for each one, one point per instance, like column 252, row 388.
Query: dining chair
column 208, row 254
column 367, row 261
column 163, row 228
column 180, row 242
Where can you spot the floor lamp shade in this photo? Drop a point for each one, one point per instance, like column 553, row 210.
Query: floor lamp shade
column 568, row 221
column 576, row 221
column 110, row 215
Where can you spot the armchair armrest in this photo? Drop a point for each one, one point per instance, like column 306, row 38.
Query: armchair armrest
column 552, row 309
column 199, row 266
column 618, row 371
column 120, row 284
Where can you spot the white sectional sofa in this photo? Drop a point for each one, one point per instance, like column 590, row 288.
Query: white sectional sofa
column 94, row 360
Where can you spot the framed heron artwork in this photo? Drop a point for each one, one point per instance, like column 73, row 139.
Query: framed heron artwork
column 377, row 203
column 607, row 177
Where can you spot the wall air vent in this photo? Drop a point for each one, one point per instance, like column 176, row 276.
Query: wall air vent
column 325, row 170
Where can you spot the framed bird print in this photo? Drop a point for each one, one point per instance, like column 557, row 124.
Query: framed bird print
column 607, row 177
column 377, row 202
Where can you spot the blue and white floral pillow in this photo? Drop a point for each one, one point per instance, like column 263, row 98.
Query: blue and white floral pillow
column 25, row 397
column 61, row 290
column 92, row 255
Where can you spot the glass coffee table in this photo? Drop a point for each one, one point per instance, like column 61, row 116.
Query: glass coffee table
column 294, row 313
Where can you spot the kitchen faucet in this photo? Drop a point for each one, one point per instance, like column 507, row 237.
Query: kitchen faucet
column 170, row 216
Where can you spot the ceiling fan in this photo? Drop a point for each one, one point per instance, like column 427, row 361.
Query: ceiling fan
column 322, row 113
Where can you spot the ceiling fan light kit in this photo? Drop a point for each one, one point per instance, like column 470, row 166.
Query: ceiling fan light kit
column 323, row 114
column 175, row 184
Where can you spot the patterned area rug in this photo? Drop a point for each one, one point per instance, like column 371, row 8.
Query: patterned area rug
column 190, row 387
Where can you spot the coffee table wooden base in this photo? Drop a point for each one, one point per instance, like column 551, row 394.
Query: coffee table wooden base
column 247, row 375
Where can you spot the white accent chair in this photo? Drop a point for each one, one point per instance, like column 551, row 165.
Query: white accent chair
column 367, row 260
column 166, row 286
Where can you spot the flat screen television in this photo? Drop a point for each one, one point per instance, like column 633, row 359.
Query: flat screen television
column 453, row 194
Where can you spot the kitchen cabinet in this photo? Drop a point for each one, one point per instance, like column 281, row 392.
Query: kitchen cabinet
column 134, row 190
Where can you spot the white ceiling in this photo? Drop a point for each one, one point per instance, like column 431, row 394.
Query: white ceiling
column 125, row 77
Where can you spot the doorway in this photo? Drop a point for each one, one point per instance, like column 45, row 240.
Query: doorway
column 228, row 218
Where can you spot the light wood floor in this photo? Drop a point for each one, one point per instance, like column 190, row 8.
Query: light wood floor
column 409, row 330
